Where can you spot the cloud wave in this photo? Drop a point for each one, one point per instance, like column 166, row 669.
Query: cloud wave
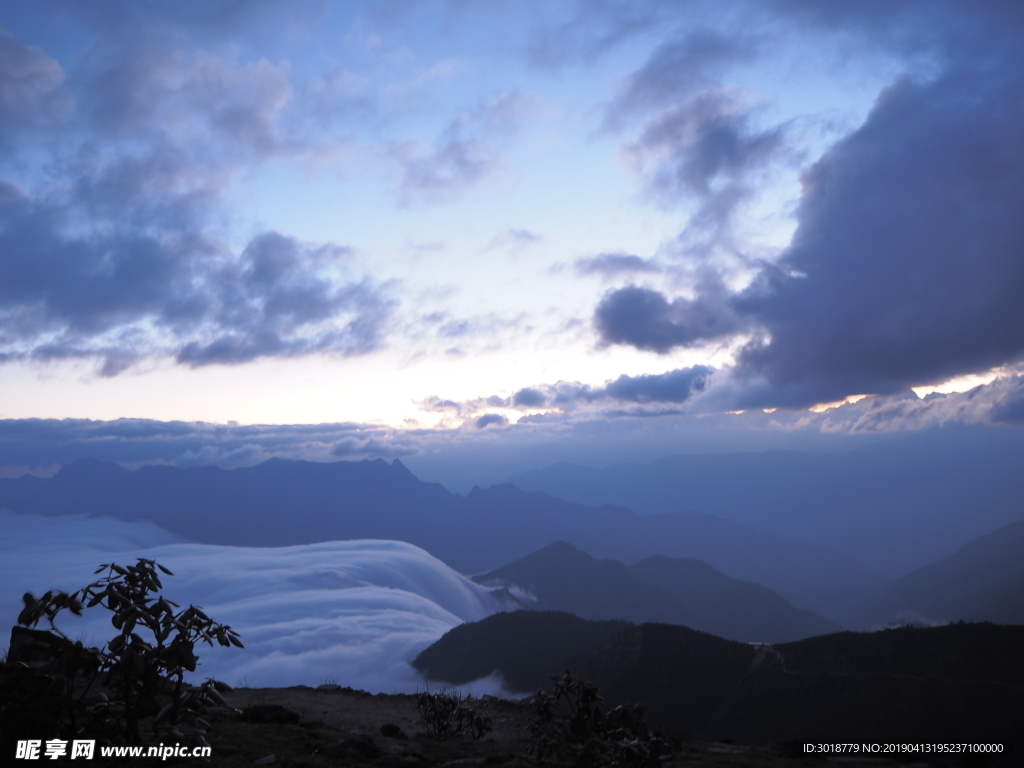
column 353, row 611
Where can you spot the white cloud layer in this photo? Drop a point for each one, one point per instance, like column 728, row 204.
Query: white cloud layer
column 353, row 612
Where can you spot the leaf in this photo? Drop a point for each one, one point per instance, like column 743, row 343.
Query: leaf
column 164, row 569
column 164, row 712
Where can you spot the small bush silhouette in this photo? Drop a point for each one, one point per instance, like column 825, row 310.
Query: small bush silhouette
column 447, row 714
column 137, row 674
column 572, row 727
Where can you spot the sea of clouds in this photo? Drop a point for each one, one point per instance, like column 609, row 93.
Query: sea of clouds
column 351, row 612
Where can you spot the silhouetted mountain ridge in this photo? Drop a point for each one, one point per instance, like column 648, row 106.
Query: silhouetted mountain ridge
column 282, row 502
column 983, row 581
column 894, row 506
column 659, row 589
column 901, row 685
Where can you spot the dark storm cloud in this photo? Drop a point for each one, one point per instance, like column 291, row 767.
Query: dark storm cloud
column 646, row 319
column 906, row 267
column 612, row 264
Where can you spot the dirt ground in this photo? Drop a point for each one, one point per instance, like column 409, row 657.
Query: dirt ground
column 334, row 726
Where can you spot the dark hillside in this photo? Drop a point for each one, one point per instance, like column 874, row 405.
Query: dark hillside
column 526, row 647
column 955, row 683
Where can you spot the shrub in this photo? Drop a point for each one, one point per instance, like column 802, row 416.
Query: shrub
column 141, row 668
column 446, row 714
column 572, row 727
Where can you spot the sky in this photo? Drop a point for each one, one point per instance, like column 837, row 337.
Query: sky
column 234, row 230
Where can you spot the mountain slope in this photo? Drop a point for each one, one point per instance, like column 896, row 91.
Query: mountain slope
column 983, row 581
column 738, row 610
column 902, row 685
column 662, row 589
column 527, row 647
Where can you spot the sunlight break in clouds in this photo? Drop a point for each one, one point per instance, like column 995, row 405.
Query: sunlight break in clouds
column 352, row 611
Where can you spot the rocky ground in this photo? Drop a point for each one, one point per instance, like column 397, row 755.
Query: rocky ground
column 334, row 726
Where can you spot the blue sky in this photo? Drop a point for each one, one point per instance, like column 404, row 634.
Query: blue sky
column 437, row 224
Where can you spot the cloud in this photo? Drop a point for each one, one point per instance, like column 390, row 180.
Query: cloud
column 115, row 253
column 454, row 164
column 466, row 152
column 529, row 398
column 273, row 302
column 491, row 418
column 32, row 93
column 514, row 240
column 129, row 291
column 612, row 264
column 677, row 69
column 676, row 386
column 705, row 149
column 36, row 444
column 350, row 447
column 671, row 387
column 697, row 138
column 997, row 403
column 577, row 32
column 905, row 266
column 646, row 319
column 355, row 611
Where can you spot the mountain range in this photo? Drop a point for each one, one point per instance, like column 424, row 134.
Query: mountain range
column 282, row 502
column 983, row 581
column 893, row 506
column 683, row 591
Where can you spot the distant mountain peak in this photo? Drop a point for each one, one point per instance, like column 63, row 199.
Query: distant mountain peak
column 87, row 466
